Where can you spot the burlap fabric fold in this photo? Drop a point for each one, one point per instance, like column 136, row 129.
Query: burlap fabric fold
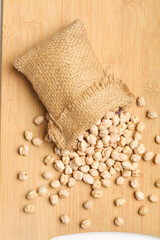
column 71, row 84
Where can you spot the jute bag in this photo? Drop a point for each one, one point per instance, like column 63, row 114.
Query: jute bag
column 71, row 84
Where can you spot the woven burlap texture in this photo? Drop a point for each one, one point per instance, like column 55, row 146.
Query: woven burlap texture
column 71, row 83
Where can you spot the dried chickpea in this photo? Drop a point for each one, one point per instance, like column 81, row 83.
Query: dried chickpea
column 28, row 135
column 120, row 181
column 112, row 171
column 87, row 205
column 38, row 120
column 137, row 136
column 153, row 198
column 85, row 224
column 96, row 184
column 78, row 175
column 63, row 193
column 65, row 219
column 49, row 160
column 68, row 170
column 71, row 182
column 151, row 114
column 140, row 149
column 136, row 173
column 55, row 184
column 29, row 209
column 157, row 183
column 93, row 172
column 59, row 166
column 94, row 130
column 134, row 183
column 32, row 194
column 148, row 156
column 139, row 195
column 135, row 157
column 140, row 127
column 157, row 159
column 64, row 179
column 141, row 102
column 37, row 142
column 23, row 176
column 97, row 156
column 157, row 139
column 47, row 175
column 42, row 191
column 134, row 118
column 53, row 199
column 87, row 178
column 23, row 150
column 119, row 202
column 91, row 139
column 118, row 221
column 106, row 182
column 143, row 211
column 97, row 193
column 126, row 173
column 105, row 174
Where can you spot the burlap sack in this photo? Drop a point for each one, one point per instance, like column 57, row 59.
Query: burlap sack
column 71, row 84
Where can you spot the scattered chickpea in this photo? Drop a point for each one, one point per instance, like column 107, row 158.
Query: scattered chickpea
column 29, row 209
column 134, row 183
column 48, row 160
column 23, row 176
column 97, row 193
column 157, row 183
column 87, row 205
column 85, row 224
column 32, row 195
column 28, row 135
column 23, row 150
column 153, row 198
column 120, row 181
column 157, row 139
column 120, row 202
column 53, row 199
column 37, row 142
column 55, row 184
column 139, row 195
column 63, row 193
column 118, row 221
column 65, row 219
column 157, row 159
column 143, row 211
column 151, row 114
column 42, row 191
column 47, row 175
column 38, row 120
column 148, row 156
column 141, row 102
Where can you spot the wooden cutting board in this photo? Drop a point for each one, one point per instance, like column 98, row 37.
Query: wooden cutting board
column 125, row 35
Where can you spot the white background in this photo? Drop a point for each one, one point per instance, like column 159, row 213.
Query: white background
column 107, row 236
column 101, row 235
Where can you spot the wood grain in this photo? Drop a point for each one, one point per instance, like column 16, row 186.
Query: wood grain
column 125, row 35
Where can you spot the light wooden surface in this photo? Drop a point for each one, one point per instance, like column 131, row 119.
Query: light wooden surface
column 124, row 34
